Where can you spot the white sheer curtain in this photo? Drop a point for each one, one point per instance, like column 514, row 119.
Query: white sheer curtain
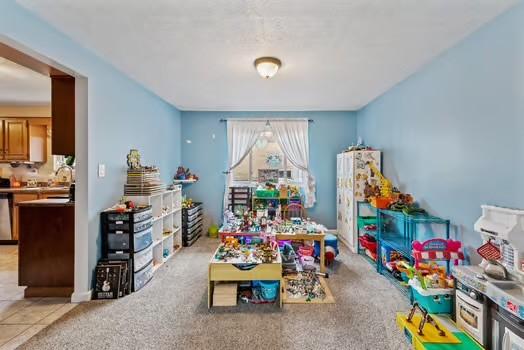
column 241, row 137
column 293, row 138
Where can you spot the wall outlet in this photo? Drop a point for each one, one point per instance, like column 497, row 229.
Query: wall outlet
column 101, row 170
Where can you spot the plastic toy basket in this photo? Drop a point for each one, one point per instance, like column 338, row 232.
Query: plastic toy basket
column 434, row 300
column 364, row 221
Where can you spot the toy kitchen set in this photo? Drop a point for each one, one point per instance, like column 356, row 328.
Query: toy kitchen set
column 490, row 297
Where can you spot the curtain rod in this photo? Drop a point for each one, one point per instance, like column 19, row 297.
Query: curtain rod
column 267, row 120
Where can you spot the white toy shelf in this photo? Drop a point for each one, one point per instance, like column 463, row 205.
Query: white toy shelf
column 167, row 223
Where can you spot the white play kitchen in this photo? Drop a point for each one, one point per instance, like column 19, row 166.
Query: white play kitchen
column 490, row 296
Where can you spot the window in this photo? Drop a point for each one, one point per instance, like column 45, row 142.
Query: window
column 265, row 163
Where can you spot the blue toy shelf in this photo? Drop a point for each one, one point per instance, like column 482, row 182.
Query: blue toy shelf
column 366, row 215
column 396, row 232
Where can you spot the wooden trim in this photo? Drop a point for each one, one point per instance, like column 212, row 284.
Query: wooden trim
column 29, row 62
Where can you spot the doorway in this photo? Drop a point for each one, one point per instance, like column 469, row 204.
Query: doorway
column 77, row 131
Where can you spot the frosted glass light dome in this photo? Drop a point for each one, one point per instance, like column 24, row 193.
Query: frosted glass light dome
column 267, row 67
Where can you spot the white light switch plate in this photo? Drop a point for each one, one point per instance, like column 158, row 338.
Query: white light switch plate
column 101, row 170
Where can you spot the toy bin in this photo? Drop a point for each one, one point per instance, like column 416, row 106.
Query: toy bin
column 364, row 221
column 434, row 300
column 269, row 289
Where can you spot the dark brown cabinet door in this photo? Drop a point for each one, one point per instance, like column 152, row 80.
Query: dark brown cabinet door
column 63, row 115
column 15, row 140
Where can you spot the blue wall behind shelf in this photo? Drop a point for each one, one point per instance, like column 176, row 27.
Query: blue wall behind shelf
column 122, row 114
column 453, row 134
column 330, row 133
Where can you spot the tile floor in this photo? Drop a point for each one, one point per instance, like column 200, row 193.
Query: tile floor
column 20, row 318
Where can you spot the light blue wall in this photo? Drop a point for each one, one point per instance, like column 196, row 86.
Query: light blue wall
column 329, row 134
column 122, row 114
column 453, row 134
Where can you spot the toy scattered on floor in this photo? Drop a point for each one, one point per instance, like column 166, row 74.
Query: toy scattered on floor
column 184, row 174
column 306, row 284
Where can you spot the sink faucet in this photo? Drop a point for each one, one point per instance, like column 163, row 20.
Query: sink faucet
column 64, row 178
column 496, row 270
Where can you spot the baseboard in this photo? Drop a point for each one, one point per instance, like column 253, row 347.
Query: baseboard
column 81, row 297
column 349, row 246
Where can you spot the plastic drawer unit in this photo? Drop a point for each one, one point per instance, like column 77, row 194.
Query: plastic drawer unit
column 143, row 276
column 192, row 224
column 143, row 258
column 122, row 241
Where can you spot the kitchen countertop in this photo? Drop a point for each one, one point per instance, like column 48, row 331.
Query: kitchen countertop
column 35, row 190
column 57, row 202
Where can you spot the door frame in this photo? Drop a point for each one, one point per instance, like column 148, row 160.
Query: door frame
column 42, row 64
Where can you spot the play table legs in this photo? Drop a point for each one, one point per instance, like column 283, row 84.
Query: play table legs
column 322, row 256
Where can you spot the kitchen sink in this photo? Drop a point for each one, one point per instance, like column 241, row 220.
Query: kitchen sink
column 511, row 288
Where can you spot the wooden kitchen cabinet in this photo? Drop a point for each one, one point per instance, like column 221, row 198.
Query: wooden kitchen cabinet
column 16, row 147
column 17, row 198
column 24, row 139
column 63, row 111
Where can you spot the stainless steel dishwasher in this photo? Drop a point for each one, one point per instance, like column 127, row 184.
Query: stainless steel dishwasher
column 6, row 201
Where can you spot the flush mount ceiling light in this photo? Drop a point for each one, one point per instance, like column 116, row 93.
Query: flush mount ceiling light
column 267, row 67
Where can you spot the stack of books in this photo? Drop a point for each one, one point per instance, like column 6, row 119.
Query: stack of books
column 143, row 181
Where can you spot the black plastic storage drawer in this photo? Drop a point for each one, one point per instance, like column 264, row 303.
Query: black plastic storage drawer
column 126, row 226
column 135, row 215
column 196, row 221
column 191, row 211
column 189, row 240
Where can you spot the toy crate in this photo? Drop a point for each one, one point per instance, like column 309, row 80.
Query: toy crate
column 267, row 193
column 434, row 300
column 364, row 221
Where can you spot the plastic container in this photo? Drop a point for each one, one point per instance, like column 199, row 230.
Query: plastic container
column 363, row 221
column 142, row 277
column 305, row 251
column 381, row 202
column 434, row 300
column 143, row 239
column 367, row 242
column 213, row 231
column 143, row 258
column 269, row 289
column 267, row 193
column 330, row 241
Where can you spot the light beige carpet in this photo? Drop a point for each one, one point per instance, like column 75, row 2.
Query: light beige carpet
column 171, row 313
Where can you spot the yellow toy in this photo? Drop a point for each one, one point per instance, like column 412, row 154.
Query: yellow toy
column 386, row 190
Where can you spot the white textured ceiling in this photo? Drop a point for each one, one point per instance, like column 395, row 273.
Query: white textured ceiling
column 22, row 86
column 337, row 54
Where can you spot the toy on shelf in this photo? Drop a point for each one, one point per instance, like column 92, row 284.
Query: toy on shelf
column 183, row 174
column 437, row 249
column 384, row 198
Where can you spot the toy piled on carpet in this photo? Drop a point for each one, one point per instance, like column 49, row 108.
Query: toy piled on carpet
column 306, row 284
